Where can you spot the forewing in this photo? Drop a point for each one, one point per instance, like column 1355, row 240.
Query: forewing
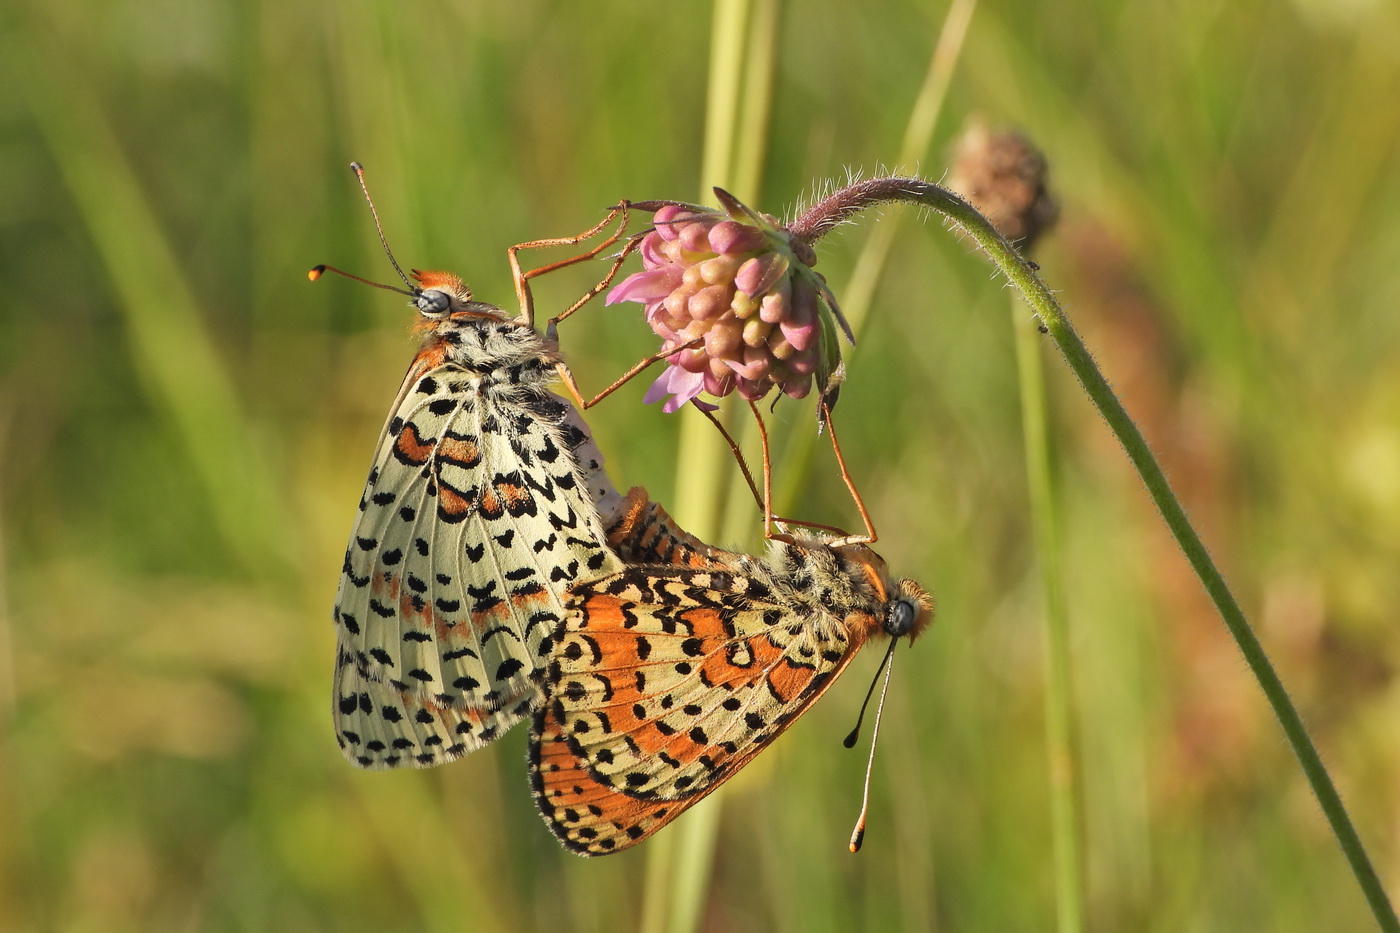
column 666, row 682
column 473, row 522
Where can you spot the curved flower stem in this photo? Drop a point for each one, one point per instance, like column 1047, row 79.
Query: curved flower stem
column 825, row 215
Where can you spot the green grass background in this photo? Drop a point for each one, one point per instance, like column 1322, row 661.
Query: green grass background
column 185, row 424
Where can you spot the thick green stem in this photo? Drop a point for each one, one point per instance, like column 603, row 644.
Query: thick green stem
column 1022, row 274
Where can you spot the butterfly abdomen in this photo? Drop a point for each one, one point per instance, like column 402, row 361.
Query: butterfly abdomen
column 645, row 534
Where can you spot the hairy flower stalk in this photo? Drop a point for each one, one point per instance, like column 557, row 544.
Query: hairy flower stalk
column 735, row 296
column 841, row 205
column 720, row 293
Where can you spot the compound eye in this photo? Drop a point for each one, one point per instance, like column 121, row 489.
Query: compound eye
column 433, row 302
column 900, row 617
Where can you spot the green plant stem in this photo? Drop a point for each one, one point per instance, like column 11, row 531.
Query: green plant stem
column 1022, row 274
column 742, row 60
column 1059, row 731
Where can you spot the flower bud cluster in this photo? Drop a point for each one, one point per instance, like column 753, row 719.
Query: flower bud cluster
column 736, row 298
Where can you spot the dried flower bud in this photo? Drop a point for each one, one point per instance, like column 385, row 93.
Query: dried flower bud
column 1003, row 176
column 743, row 285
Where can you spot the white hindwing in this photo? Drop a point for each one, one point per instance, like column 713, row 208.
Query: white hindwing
column 476, row 517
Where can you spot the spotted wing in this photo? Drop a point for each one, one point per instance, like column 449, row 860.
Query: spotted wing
column 578, row 440
column 473, row 522
column 644, row 533
column 666, row 682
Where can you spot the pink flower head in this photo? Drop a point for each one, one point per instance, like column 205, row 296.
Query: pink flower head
column 740, row 288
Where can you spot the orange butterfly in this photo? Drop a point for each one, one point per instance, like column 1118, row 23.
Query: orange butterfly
column 669, row 678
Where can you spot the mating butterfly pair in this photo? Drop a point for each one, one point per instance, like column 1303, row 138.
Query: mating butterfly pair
column 494, row 573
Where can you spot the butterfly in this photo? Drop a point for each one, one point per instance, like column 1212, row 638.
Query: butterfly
column 478, row 512
column 487, row 499
column 669, row 678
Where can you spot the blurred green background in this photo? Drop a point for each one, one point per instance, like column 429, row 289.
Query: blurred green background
column 185, row 424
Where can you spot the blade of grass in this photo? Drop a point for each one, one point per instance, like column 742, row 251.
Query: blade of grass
column 700, row 453
column 1059, row 734
column 858, row 296
column 172, row 349
column 742, row 59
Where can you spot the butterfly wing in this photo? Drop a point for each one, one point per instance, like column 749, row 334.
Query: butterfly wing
column 584, row 449
column 666, row 682
column 475, row 519
column 644, row 533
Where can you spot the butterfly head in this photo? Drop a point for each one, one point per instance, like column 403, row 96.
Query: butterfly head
column 909, row 611
column 896, row 608
column 442, row 295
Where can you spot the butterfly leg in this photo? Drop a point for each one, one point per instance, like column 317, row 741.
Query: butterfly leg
column 870, row 537
column 551, row 329
column 633, row 242
column 748, row 475
column 738, row 455
column 522, row 287
column 769, row 519
column 567, row 376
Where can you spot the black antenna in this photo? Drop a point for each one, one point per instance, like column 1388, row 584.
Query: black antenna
column 858, row 833
column 850, row 740
column 359, row 171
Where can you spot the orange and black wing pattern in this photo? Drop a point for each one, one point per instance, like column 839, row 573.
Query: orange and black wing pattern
column 668, row 679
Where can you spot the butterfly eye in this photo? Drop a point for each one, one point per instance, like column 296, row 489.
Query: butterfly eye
column 900, row 617
column 433, row 303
